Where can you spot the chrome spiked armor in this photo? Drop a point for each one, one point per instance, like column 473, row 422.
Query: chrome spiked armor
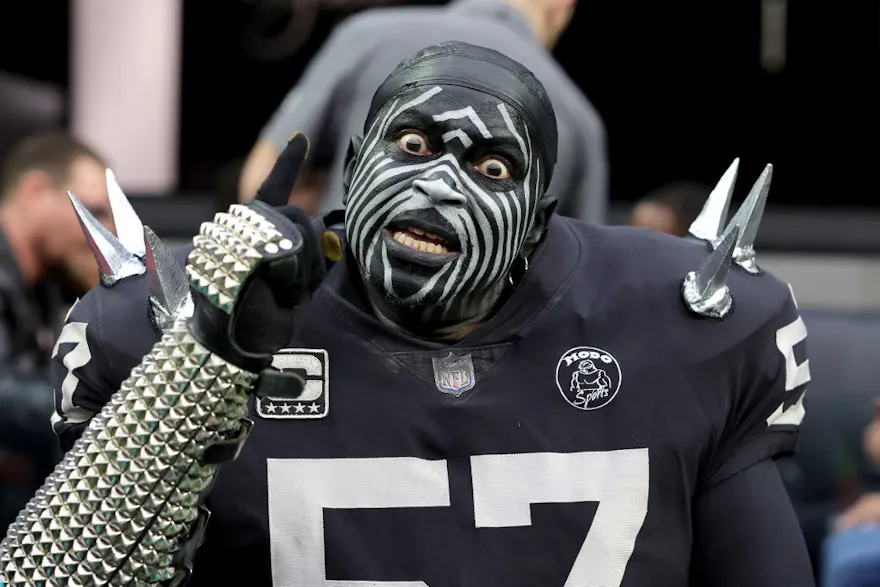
column 135, row 250
column 708, row 224
column 125, row 501
column 705, row 290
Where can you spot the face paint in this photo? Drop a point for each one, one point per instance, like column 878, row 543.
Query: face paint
column 443, row 193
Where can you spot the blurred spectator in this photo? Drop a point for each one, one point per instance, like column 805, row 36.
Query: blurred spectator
column 872, row 435
column 43, row 256
column 852, row 552
column 671, row 208
column 330, row 102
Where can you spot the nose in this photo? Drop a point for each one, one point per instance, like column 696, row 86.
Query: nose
column 439, row 192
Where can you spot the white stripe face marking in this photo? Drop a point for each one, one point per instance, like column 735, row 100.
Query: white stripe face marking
column 468, row 113
column 477, row 187
column 460, row 135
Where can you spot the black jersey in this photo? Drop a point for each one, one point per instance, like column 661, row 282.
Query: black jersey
column 560, row 445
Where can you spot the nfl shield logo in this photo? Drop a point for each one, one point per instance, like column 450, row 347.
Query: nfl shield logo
column 454, row 375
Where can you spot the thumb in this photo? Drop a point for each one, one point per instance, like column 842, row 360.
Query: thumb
column 275, row 190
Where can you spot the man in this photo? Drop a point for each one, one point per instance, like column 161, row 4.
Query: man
column 331, row 100
column 671, row 208
column 43, row 256
column 418, row 428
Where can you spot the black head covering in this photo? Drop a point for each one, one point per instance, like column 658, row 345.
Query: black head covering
column 456, row 63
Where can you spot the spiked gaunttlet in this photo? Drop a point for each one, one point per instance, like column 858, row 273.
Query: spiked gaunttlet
column 125, row 499
column 710, row 222
column 121, row 502
column 705, row 290
column 131, row 254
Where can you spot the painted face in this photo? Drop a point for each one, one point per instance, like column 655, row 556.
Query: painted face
column 443, row 193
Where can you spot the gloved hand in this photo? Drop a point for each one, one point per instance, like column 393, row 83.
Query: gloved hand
column 251, row 267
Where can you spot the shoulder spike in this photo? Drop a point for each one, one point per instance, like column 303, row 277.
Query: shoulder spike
column 748, row 220
column 709, row 224
column 705, row 290
column 170, row 297
column 129, row 228
column 115, row 262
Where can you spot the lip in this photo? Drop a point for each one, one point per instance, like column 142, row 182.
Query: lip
column 413, row 256
column 428, row 221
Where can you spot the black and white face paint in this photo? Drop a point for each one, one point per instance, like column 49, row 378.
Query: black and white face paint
column 444, row 190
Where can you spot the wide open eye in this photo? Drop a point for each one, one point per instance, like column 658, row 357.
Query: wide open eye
column 493, row 168
column 414, row 143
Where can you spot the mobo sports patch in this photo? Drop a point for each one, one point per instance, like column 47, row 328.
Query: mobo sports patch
column 588, row 377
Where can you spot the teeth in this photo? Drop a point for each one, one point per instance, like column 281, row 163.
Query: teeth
column 421, row 232
column 417, row 244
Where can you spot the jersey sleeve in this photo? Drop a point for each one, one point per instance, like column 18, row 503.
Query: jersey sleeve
column 746, row 532
column 766, row 416
column 105, row 336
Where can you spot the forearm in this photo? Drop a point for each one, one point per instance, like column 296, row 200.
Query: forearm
column 136, row 476
column 746, row 533
column 121, row 507
column 594, row 189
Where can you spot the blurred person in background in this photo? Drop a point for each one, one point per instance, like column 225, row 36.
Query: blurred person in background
column 45, row 262
column 671, row 208
column 852, row 551
column 330, row 102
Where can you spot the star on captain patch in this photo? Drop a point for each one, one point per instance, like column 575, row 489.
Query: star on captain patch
column 313, row 366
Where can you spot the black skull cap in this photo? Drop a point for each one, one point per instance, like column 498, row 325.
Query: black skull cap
column 456, row 63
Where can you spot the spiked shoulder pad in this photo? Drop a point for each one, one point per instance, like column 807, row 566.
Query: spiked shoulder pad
column 135, row 250
column 644, row 271
column 106, row 334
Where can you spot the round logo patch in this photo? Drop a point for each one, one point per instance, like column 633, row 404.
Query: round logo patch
column 588, row 378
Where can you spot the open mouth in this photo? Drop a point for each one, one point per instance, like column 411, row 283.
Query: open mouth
column 428, row 238
column 420, row 240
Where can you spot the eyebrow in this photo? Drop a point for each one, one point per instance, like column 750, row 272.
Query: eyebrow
column 415, row 119
column 505, row 142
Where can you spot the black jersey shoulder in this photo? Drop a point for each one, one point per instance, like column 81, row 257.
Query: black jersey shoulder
column 640, row 272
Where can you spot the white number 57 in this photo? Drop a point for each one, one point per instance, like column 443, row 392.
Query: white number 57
column 505, row 486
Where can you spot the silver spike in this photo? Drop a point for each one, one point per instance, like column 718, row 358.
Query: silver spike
column 705, row 290
column 709, row 224
column 129, row 228
column 115, row 262
column 748, row 220
column 170, row 297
